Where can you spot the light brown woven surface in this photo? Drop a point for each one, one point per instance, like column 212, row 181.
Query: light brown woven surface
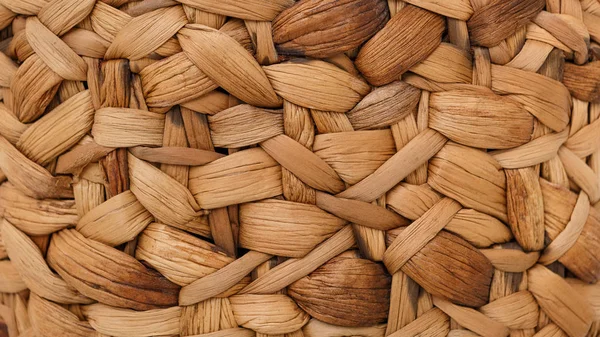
column 319, row 168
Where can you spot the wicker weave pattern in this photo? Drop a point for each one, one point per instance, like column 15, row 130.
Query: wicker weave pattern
column 317, row 168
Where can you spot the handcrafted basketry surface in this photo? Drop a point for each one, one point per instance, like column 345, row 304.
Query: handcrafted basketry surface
column 319, row 168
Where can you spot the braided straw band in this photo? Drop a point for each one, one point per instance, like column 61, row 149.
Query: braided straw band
column 299, row 168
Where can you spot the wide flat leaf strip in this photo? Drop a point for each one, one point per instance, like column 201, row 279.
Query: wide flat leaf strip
column 394, row 49
column 326, row 28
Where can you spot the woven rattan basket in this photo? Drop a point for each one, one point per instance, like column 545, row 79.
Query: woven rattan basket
column 316, row 168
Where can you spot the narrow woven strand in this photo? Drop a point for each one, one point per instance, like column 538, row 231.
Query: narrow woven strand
column 299, row 168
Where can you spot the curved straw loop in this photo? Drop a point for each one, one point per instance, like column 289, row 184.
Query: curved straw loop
column 567, row 238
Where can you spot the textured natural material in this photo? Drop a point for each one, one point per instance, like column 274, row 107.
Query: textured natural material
column 300, row 168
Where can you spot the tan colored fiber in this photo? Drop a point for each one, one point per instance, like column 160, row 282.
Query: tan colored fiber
column 534, row 152
column 446, row 253
column 32, row 93
column 316, row 328
column 221, row 280
column 589, row 291
column 174, row 80
column 145, row 33
column 420, row 197
column 253, row 10
column 38, row 183
column 59, row 20
column 308, row 167
column 8, row 70
column 86, row 152
column 54, row 52
column 212, row 189
column 355, row 155
column 584, row 142
column 566, row 32
column 206, row 317
column 34, row 271
column 52, row 319
column 559, row 204
column 165, row 198
column 403, row 302
column 359, row 212
column 30, row 8
column 481, row 230
column 108, row 320
column 532, row 56
column 419, row 150
column 337, row 292
column 511, row 260
column 581, row 174
column 139, row 287
column 116, row 221
column 59, row 130
column 262, row 41
column 87, row 195
column 525, row 207
column 296, row 230
column 305, row 28
column 181, row 257
column 567, row 238
column 478, row 120
column 458, row 9
column 433, row 322
column 316, row 84
column 384, row 106
column 590, row 20
column 122, row 127
column 446, row 64
column 496, row 20
column 405, row 130
column 471, row 319
column 10, row 127
column 175, row 155
column 211, row 103
column 201, row 45
column 582, row 81
column 86, row 43
column 312, row 168
column 386, row 56
column 36, row 217
column 10, row 280
column 535, row 92
column 471, row 177
column 418, row 234
column 294, row 269
column 244, row 125
column 537, row 33
column 574, row 316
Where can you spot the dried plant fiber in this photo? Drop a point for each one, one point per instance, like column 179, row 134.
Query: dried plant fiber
column 300, row 168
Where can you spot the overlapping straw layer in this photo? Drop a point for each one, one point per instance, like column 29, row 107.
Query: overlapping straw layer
column 311, row 168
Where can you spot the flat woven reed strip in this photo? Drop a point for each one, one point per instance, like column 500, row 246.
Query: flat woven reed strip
column 319, row 168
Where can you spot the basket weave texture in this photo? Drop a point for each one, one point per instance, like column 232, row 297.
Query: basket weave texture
column 316, row 168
